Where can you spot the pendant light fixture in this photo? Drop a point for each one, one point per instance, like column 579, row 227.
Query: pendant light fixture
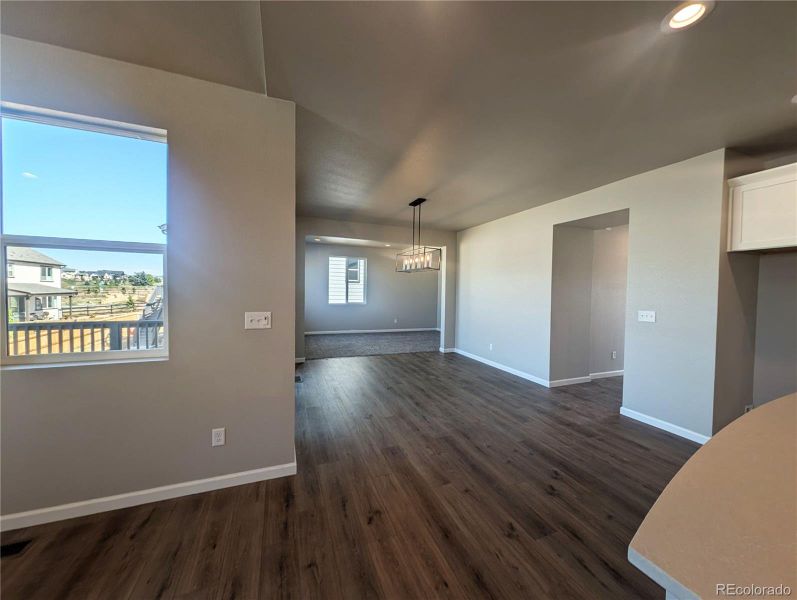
column 419, row 257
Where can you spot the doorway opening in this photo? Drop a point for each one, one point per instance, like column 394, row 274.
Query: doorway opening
column 588, row 299
column 356, row 304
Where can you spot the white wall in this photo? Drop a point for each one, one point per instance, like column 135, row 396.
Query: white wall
column 31, row 273
column 505, row 274
column 607, row 302
column 409, row 299
column 776, row 328
column 82, row 432
column 399, row 237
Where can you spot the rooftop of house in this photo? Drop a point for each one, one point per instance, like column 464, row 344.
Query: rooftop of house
column 29, row 255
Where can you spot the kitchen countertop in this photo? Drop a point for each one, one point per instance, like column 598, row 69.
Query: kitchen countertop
column 729, row 516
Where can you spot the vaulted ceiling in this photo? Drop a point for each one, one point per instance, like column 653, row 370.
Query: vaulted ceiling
column 486, row 108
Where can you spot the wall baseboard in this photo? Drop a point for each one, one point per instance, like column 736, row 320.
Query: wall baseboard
column 300, row 360
column 627, row 412
column 447, row 350
column 571, row 381
column 370, row 331
column 522, row 374
column 97, row 505
column 665, row 425
column 604, row 374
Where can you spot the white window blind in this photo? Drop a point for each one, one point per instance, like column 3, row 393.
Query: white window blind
column 347, row 277
column 337, row 280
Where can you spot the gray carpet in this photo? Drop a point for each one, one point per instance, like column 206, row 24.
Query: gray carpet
column 367, row 344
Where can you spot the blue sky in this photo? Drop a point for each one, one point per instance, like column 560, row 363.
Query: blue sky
column 63, row 182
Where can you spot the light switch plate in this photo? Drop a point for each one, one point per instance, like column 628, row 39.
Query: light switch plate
column 646, row 316
column 257, row 320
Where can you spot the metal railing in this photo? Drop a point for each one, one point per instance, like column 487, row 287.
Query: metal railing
column 42, row 337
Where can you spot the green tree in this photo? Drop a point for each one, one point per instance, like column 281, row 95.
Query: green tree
column 130, row 302
column 139, row 279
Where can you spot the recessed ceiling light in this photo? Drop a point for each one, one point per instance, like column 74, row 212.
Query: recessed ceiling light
column 317, row 239
column 686, row 14
column 608, row 229
column 387, row 245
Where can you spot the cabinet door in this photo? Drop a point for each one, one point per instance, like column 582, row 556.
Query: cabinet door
column 764, row 210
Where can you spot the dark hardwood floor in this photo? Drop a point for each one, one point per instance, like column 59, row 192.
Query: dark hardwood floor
column 420, row 476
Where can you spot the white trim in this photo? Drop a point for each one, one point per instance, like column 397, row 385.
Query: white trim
column 60, row 118
column 673, row 588
column 97, row 505
column 300, row 360
column 492, row 363
column 36, row 241
column 549, row 384
column 665, row 425
column 370, row 331
column 101, row 359
column 571, row 381
column 446, row 350
column 603, row 374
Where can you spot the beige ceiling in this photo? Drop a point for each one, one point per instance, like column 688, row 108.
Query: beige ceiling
column 490, row 108
column 484, row 108
column 343, row 241
column 216, row 41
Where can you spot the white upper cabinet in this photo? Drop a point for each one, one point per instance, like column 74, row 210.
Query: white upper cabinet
column 763, row 210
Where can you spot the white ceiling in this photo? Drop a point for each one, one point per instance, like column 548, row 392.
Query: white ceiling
column 485, row 108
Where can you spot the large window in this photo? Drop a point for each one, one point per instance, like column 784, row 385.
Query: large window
column 84, row 238
column 347, row 280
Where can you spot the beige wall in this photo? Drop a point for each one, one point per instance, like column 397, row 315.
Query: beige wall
column 607, row 303
column 776, row 331
column 571, row 289
column 399, row 237
column 75, row 433
column 393, row 300
column 504, row 282
column 736, row 312
column 587, row 300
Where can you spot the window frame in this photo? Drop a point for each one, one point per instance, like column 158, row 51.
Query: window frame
column 347, row 282
column 97, row 125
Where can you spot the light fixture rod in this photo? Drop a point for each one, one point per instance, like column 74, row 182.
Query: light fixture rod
column 419, row 226
column 416, row 204
column 413, row 228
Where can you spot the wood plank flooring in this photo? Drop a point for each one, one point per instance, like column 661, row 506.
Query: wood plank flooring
column 420, row 476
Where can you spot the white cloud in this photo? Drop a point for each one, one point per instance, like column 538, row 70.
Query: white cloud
column 29, row 175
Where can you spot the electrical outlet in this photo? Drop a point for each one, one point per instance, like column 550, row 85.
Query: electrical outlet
column 491, row 347
column 395, row 321
column 646, row 316
column 217, row 437
column 257, row 320
column 614, row 354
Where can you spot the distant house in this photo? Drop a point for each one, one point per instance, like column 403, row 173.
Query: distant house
column 107, row 275
column 34, row 285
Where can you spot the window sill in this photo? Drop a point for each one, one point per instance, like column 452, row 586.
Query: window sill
column 84, row 363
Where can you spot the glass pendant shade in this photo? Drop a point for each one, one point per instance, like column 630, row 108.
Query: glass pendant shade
column 419, row 258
